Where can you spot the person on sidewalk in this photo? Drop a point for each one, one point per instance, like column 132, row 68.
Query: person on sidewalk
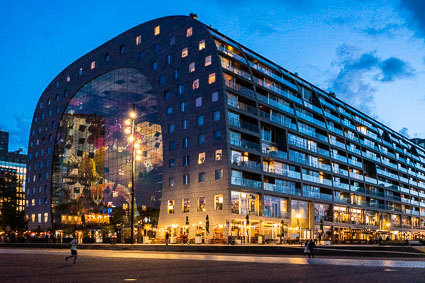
column 311, row 247
column 306, row 249
column 73, row 245
column 167, row 236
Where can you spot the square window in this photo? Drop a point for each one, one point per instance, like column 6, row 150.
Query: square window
column 185, row 124
column 181, row 89
column 200, row 120
column 201, row 44
column 172, row 146
column 218, row 199
column 208, row 60
column 217, row 134
column 185, row 52
column 186, row 179
column 169, row 110
column 195, row 84
column 192, row 67
column 170, row 128
column 189, row 32
column 171, row 181
column 214, row 96
column 156, row 49
column 170, row 207
column 216, row 116
column 171, row 163
column 218, row 154
column 93, row 65
column 201, row 177
column 201, row 139
column 211, row 78
column 156, row 31
column 138, row 40
column 198, row 102
column 172, row 40
column 219, row 174
column 201, row 158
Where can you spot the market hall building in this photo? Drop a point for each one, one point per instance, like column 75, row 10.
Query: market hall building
column 231, row 144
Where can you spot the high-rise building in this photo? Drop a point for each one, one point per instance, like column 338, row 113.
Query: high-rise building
column 231, row 144
column 12, row 180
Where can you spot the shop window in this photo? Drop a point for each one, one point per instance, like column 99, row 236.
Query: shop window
column 208, row 60
column 244, row 203
column 202, row 204
column 192, row 67
column 218, row 154
column 170, row 207
column 211, row 78
column 185, row 52
column 156, row 30
column 219, row 174
column 195, row 84
column 201, row 177
column 186, row 205
column 138, row 40
column 189, row 32
column 201, row 158
column 218, row 202
column 201, row 45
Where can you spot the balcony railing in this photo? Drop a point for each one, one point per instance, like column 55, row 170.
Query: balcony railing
column 275, row 103
column 282, row 189
column 234, row 85
column 245, row 144
column 238, row 181
column 316, row 179
column 283, row 172
column 310, row 119
column 247, row 164
column 243, row 125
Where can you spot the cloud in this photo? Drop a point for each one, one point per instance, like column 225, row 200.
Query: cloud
column 405, row 132
column 387, row 30
column 358, row 74
column 414, row 13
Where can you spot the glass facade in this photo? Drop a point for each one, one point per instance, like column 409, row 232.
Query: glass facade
column 92, row 157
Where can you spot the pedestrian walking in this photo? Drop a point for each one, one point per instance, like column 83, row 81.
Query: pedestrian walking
column 311, row 247
column 167, row 236
column 73, row 245
column 306, row 249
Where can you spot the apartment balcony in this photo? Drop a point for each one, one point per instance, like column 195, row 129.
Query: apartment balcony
column 356, row 176
column 340, row 171
column 403, row 179
column 280, row 120
column 313, row 134
column 415, row 193
column 413, row 182
column 342, row 200
column 239, row 181
column 335, row 130
column 332, row 117
column 342, row 186
column 404, row 190
column 414, row 202
column 375, row 205
column 415, row 212
column 357, row 189
column 317, row 195
column 354, row 150
column 276, row 104
column 282, row 172
column 244, row 125
column 339, row 157
column 316, row 179
column 311, row 119
column 274, row 88
column 247, row 164
column 236, row 71
column 348, row 124
column 232, row 54
column 245, row 144
column 405, row 200
column 387, row 174
column 392, row 165
column 282, row 189
column 273, row 75
column 234, row 85
column 242, row 106
column 355, row 163
column 324, row 102
column 338, row 144
column 370, row 180
column 393, row 197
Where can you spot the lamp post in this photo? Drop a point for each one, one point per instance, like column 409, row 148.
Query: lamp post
column 135, row 155
column 298, row 216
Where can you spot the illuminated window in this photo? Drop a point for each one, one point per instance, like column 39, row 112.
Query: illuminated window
column 218, row 202
column 33, row 218
column 198, row 102
column 68, row 78
column 189, row 32
column 156, row 30
column 93, row 65
column 201, row 177
column 211, row 78
column 192, row 67
column 202, row 44
column 33, row 202
column 208, row 60
column 186, row 205
column 201, row 158
column 46, row 217
column 202, row 204
column 218, row 154
column 170, row 207
column 80, row 72
column 39, row 217
column 138, row 40
column 185, row 52
column 195, row 84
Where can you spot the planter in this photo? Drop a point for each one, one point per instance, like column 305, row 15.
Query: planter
column 198, row 240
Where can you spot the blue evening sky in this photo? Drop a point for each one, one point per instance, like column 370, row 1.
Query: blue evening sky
column 370, row 53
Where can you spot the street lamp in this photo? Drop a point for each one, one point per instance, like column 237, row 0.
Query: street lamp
column 298, row 216
column 129, row 130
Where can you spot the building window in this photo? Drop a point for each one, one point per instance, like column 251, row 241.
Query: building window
column 189, row 32
column 156, row 49
column 33, row 218
column 186, row 160
column 33, row 200
column 181, row 89
column 172, row 146
column 46, row 217
column 80, row 72
column 216, row 116
column 200, row 120
column 39, row 217
column 201, row 177
column 68, row 78
column 106, row 57
column 218, row 200
column 167, row 95
column 202, row 204
column 219, row 174
column 162, row 79
column 156, row 30
column 198, row 102
column 154, row 66
column 185, row 52
column 176, row 73
column 201, row 139
column 218, row 154
column 170, row 207
column 192, row 67
column 217, row 134
column 171, row 181
column 170, row 128
column 185, row 124
column 201, row 44
column 93, row 65
column 183, row 106
column 186, row 205
column 142, row 56
column 208, row 60
column 186, row 142
column 138, row 40
column 171, row 163
column 186, row 179
column 169, row 110
column 122, row 49
column 211, row 78
column 169, row 59
column 58, row 83
column 195, row 84
column 172, row 40
column 201, row 158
